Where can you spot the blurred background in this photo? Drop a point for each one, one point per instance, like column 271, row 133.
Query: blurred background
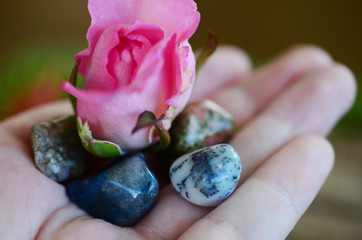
column 40, row 38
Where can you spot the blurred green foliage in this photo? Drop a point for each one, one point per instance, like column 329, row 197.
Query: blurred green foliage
column 30, row 65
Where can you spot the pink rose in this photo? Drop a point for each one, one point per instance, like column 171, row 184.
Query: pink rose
column 138, row 59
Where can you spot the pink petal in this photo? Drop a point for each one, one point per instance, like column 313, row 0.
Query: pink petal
column 172, row 16
column 94, row 61
column 106, row 13
column 187, row 59
column 104, row 111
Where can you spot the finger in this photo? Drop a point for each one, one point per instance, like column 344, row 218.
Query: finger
column 23, row 190
column 267, row 82
column 270, row 202
column 20, row 124
column 312, row 105
column 170, row 217
column 262, row 87
column 31, row 200
column 227, row 65
column 19, row 180
column 71, row 223
column 242, row 108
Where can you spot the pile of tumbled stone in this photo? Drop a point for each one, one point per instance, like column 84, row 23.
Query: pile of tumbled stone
column 204, row 170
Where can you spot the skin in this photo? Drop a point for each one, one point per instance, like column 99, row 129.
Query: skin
column 283, row 111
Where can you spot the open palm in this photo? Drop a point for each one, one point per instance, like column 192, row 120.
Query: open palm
column 283, row 110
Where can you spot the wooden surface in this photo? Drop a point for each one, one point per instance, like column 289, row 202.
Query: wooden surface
column 336, row 213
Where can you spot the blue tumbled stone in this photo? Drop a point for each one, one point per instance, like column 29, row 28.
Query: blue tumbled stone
column 122, row 194
column 207, row 176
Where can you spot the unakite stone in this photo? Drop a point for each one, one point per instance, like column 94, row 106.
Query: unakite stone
column 58, row 151
column 200, row 125
column 207, row 176
column 122, row 194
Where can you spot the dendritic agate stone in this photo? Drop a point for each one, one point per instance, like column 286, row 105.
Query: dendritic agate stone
column 58, row 151
column 122, row 194
column 207, row 176
column 200, row 125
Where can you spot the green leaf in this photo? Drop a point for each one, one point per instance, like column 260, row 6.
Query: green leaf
column 99, row 148
column 208, row 50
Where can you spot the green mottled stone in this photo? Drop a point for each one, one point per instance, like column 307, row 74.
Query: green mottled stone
column 200, row 125
column 58, row 151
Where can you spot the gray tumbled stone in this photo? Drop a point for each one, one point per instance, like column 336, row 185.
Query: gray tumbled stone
column 58, row 151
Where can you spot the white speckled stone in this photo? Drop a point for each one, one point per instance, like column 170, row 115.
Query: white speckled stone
column 207, row 176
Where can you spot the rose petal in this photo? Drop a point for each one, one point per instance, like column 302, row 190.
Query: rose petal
column 138, row 60
column 105, row 110
column 177, row 16
column 94, row 62
column 180, row 99
column 168, row 78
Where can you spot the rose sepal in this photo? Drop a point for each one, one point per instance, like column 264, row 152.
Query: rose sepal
column 147, row 119
column 208, row 50
column 73, row 81
column 99, row 148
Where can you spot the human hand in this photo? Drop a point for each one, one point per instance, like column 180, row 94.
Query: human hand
column 283, row 110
